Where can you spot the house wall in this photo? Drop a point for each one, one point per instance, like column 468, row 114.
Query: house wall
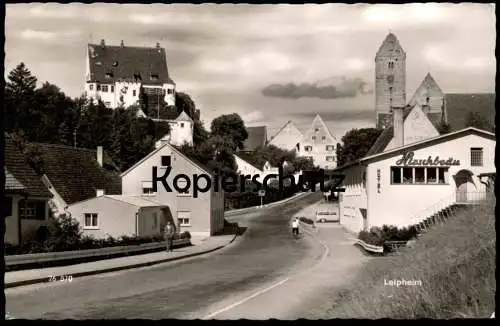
column 200, row 208
column 115, row 218
column 245, row 168
column 27, row 226
column 403, row 204
column 124, row 90
column 353, row 199
column 287, row 138
column 181, row 132
column 417, row 127
column 321, row 157
column 433, row 92
column 147, row 224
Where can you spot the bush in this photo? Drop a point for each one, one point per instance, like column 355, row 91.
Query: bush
column 377, row 236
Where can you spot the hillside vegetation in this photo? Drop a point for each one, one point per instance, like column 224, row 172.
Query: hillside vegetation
column 455, row 263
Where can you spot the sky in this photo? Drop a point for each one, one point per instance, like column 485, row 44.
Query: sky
column 268, row 63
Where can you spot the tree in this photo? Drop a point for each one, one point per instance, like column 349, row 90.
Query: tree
column 475, row 120
column 20, row 81
column 184, row 102
column 200, row 134
column 232, row 127
column 443, row 128
column 355, row 144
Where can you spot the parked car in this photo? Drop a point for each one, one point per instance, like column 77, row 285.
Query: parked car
column 324, row 216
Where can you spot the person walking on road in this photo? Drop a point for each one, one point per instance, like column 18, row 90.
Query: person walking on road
column 169, row 235
column 295, row 226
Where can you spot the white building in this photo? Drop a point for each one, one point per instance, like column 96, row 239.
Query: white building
column 201, row 214
column 119, row 74
column 409, row 182
column 181, row 131
column 317, row 142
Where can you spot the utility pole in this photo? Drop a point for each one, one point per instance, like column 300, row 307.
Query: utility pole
column 158, row 98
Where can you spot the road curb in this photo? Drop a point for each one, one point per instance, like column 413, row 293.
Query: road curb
column 115, row 269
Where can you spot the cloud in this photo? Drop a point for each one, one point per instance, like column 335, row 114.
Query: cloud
column 347, row 88
column 31, row 34
column 253, row 116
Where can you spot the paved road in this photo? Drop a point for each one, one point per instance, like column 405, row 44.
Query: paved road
column 185, row 289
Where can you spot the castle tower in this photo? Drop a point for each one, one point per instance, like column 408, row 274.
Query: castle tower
column 390, row 79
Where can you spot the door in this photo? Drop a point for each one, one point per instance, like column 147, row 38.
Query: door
column 462, row 193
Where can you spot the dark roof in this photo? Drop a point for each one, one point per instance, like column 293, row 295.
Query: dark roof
column 126, row 62
column 386, row 136
column 257, row 137
column 458, row 107
column 390, row 45
column 21, row 177
column 75, row 173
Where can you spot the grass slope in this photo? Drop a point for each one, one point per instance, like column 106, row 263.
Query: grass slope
column 455, row 263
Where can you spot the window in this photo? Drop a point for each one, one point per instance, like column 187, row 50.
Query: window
column 108, row 104
column 391, row 65
column 308, row 148
column 313, row 137
column 298, row 147
column 109, row 75
column 98, row 87
column 115, row 64
column 32, row 209
column 329, row 158
column 184, row 221
column 112, row 89
column 329, row 148
column 182, row 124
column 390, row 79
column 396, row 177
column 154, row 76
column 476, row 157
column 170, row 91
column 104, row 88
column 91, row 87
column 407, row 175
column 134, row 92
column 90, row 221
column 390, row 90
column 316, row 129
column 166, row 161
column 137, row 77
column 419, row 175
column 147, row 188
column 323, row 137
column 7, row 206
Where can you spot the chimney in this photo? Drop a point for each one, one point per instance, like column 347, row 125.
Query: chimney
column 99, row 155
column 121, row 44
column 397, row 124
column 99, row 192
column 102, row 43
column 157, row 45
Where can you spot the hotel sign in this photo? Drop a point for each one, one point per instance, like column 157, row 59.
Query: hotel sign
column 407, row 160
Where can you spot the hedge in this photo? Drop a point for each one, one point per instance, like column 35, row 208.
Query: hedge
column 377, row 236
column 86, row 242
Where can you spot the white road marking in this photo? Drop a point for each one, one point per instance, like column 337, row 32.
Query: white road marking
column 231, row 306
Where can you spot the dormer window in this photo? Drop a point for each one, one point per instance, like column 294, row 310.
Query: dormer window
column 115, row 64
column 154, row 77
column 182, row 124
column 137, row 77
column 109, row 75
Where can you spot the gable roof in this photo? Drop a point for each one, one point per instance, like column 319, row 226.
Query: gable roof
column 390, row 45
column 458, row 106
column 386, row 136
column 421, row 144
column 19, row 175
column 257, row 137
column 288, row 123
column 123, row 62
column 317, row 119
column 176, row 150
column 247, row 158
column 75, row 173
column 184, row 117
column 135, row 201
column 428, row 83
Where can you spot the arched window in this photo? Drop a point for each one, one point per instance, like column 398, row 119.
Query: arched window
column 391, row 65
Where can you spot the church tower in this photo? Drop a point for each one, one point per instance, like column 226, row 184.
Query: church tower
column 390, row 79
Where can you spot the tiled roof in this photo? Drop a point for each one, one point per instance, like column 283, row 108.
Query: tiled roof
column 75, row 173
column 127, row 62
column 458, row 107
column 19, row 173
column 257, row 137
